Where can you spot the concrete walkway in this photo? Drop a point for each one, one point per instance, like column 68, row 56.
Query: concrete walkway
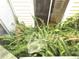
column 4, row 54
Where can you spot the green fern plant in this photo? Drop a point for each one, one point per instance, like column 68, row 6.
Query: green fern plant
column 44, row 40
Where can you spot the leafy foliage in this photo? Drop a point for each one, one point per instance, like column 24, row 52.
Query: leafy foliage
column 45, row 40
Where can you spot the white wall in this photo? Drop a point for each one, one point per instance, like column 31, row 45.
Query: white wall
column 72, row 9
column 24, row 10
column 6, row 16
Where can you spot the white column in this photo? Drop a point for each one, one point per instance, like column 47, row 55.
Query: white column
column 6, row 16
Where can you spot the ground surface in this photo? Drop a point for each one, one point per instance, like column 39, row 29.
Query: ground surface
column 4, row 54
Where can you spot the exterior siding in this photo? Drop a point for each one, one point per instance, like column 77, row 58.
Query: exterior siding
column 72, row 9
column 24, row 10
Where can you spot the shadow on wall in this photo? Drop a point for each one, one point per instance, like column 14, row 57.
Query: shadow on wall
column 2, row 31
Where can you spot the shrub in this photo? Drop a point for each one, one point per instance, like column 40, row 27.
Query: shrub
column 44, row 40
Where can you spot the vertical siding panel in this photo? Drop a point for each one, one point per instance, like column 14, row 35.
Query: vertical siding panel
column 58, row 10
column 42, row 9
